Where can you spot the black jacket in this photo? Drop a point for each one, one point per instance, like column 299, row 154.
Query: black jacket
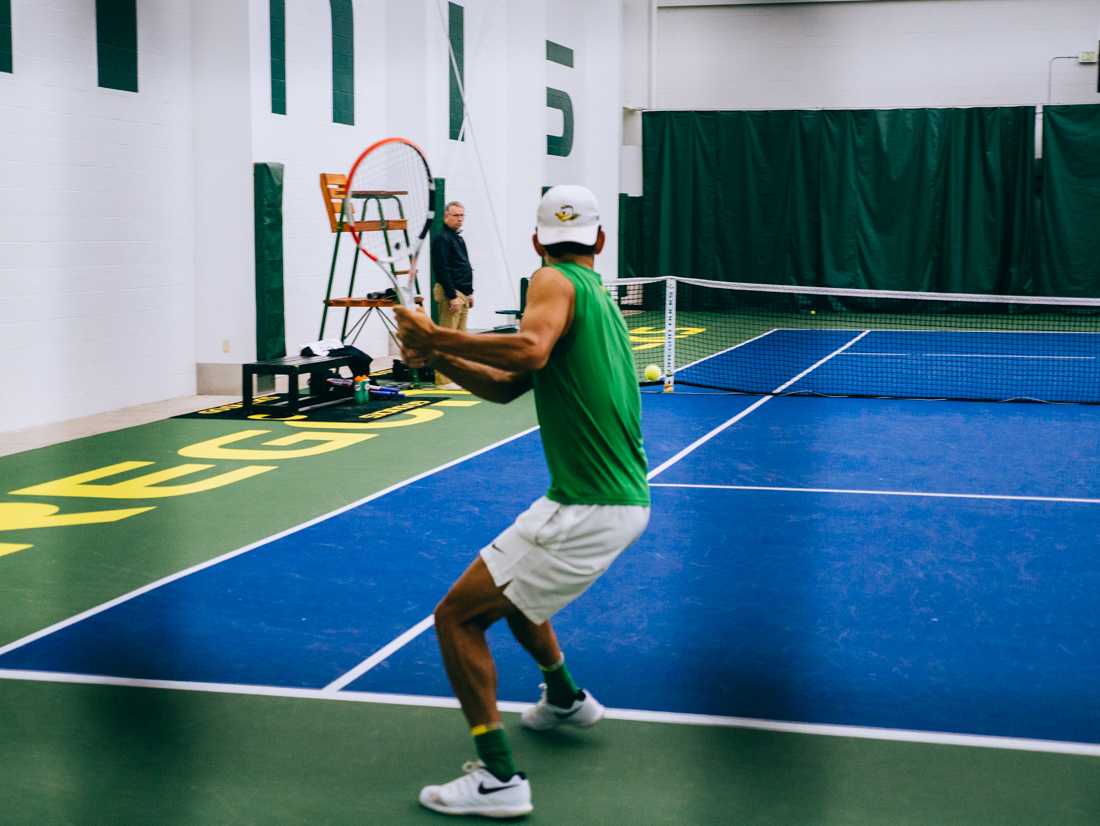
column 451, row 263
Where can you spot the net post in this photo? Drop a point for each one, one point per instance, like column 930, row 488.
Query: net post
column 670, row 334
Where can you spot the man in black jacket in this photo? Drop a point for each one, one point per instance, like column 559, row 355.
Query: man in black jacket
column 454, row 278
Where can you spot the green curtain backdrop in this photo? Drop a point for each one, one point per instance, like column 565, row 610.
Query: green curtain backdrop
column 267, row 179
column 917, row 199
column 1069, row 246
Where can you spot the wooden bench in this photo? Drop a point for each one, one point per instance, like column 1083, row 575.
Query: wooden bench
column 317, row 367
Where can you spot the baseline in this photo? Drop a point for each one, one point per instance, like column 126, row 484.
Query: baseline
column 628, row 714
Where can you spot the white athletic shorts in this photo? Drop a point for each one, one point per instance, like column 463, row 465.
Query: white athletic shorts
column 553, row 552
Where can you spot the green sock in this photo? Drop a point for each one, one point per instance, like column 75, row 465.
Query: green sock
column 494, row 751
column 561, row 691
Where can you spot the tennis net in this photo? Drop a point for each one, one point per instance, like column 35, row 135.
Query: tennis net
column 766, row 339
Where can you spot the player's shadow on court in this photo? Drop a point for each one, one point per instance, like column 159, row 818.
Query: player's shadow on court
column 133, row 751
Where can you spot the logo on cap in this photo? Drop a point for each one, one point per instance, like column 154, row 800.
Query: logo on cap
column 566, row 214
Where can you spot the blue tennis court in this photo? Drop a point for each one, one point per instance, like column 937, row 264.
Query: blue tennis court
column 1050, row 366
column 897, row 564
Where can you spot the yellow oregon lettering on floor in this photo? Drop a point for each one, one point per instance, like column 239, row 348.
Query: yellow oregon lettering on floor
column 405, row 419
column 225, row 408
column 147, row 486
column 21, row 516
column 215, row 448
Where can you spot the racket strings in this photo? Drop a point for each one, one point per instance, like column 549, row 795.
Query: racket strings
column 390, row 199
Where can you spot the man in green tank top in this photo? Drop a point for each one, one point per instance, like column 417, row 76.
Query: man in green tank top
column 573, row 350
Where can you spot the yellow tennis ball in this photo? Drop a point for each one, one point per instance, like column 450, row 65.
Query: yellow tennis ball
column 652, row 372
column 813, row 312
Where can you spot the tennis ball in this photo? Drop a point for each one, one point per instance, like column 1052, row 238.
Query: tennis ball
column 652, row 373
column 813, row 312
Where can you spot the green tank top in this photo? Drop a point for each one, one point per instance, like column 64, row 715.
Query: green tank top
column 588, row 404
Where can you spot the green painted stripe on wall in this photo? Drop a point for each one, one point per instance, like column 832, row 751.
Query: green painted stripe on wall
column 267, row 191
column 456, row 29
column 343, row 62
column 277, row 16
column 5, row 36
column 116, row 44
column 557, row 53
column 560, row 145
column 437, row 227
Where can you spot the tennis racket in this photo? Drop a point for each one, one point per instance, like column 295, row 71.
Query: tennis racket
column 390, row 199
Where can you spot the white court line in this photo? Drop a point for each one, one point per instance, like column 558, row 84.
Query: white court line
column 965, row 331
column 729, row 422
column 974, row 356
column 723, row 352
column 860, row 492
column 392, row 647
column 635, row 715
column 91, row 612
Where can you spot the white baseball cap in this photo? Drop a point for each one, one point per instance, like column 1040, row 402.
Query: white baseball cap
column 568, row 213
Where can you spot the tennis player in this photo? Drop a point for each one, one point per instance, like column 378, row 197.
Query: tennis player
column 572, row 349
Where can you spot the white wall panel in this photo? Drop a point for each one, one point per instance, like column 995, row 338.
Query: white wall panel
column 900, row 53
column 96, row 232
column 223, row 278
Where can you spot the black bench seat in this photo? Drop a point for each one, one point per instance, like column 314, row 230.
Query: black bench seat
column 318, row 368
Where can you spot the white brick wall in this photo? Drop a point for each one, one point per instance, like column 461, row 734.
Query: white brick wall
column 95, row 218
column 126, row 222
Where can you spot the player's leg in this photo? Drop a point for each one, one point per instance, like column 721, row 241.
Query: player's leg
column 539, row 641
column 562, row 701
column 548, row 558
column 473, row 603
column 491, row 787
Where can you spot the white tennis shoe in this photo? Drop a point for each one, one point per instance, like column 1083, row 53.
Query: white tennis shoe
column 585, row 712
column 478, row 792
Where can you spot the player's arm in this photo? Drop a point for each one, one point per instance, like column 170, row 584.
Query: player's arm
column 496, row 366
column 546, row 317
column 490, row 383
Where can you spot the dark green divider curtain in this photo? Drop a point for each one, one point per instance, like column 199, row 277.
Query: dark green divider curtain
column 920, row 199
column 1069, row 248
column 267, row 180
